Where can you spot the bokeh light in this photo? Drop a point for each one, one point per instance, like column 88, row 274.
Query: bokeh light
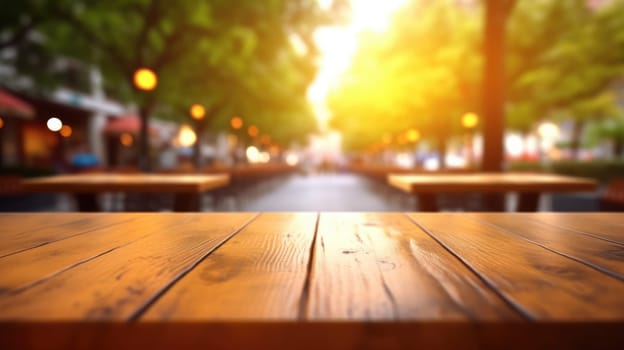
column 197, row 111
column 186, row 136
column 413, row 135
column 292, row 159
column 253, row 154
column 470, row 120
column 126, row 139
column 66, row 131
column 548, row 131
column 54, row 124
column 1, row 123
column 236, row 122
column 253, row 131
column 145, row 79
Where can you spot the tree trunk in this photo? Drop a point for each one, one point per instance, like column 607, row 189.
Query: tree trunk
column 197, row 160
column 145, row 161
column 575, row 145
column 618, row 148
column 496, row 14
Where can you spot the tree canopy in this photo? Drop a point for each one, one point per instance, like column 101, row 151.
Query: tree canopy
column 235, row 57
column 561, row 57
column 421, row 74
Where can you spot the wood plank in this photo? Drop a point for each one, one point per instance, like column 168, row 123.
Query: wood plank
column 600, row 254
column 547, row 286
column 116, row 285
column 607, row 226
column 491, row 183
column 383, row 267
column 258, row 274
column 32, row 266
column 98, row 183
column 23, row 231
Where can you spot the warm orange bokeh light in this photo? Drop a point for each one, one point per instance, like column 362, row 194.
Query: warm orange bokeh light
column 413, row 135
column 265, row 139
column 198, row 111
column 145, row 79
column 236, row 122
column 66, row 131
column 1, row 123
column 126, row 139
column 470, row 120
column 253, row 131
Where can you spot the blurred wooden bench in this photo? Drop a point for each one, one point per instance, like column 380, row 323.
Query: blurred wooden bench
column 10, row 185
column 613, row 198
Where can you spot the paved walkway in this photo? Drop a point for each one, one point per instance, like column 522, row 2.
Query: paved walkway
column 323, row 192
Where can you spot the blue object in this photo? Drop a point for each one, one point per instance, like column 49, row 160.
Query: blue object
column 84, row 160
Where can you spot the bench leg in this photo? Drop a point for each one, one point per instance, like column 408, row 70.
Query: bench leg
column 427, row 202
column 187, row 202
column 528, row 202
column 87, row 202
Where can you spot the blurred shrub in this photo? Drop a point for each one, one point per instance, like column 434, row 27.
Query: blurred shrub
column 601, row 170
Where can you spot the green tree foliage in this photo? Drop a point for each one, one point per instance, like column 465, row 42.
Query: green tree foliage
column 235, row 57
column 563, row 57
column 422, row 74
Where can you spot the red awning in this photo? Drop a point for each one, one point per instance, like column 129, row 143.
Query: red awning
column 127, row 123
column 14, row 107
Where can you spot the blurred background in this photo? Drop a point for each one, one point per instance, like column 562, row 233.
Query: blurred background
column 314, row 100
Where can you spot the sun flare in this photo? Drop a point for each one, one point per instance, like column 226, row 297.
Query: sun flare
column 338, row 45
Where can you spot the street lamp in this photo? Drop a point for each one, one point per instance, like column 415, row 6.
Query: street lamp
column 469, row 122
column 145, row 79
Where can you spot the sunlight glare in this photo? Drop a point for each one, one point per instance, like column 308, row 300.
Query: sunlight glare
column 339, row 44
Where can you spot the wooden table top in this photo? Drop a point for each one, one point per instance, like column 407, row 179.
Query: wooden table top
column 491, row 183
column 110, row 182
column 368, row 278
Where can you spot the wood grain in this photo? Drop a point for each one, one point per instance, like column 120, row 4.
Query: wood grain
column 602, row 225
column 543, row 285
column 33, row 266
column 20, row 232
column 383, row 267
column 258, row 274
column 117, row 284
column 600, row 254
